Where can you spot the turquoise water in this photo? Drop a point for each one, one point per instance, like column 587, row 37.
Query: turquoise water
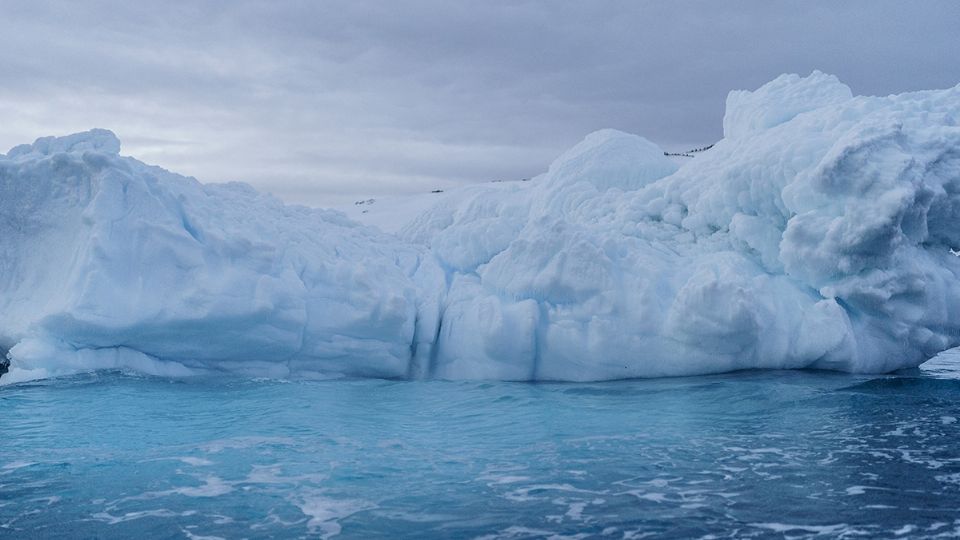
column 750, row 454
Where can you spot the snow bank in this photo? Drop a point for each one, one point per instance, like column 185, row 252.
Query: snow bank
column 817, row 233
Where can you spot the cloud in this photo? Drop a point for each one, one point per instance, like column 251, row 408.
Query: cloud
column 325, row 102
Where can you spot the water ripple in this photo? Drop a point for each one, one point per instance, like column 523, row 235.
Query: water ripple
column 748, row 455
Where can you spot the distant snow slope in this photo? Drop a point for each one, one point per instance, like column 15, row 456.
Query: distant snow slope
column 817, row 233
column 394, row 212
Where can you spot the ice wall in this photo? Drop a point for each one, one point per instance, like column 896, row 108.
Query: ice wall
column 818, row 233
column 107, row 262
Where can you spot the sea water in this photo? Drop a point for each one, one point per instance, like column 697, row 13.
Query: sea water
column 749, row 454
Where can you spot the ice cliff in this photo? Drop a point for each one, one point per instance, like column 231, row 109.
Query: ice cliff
column 819, row 232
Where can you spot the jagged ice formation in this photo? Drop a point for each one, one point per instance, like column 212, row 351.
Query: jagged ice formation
column 819, row 232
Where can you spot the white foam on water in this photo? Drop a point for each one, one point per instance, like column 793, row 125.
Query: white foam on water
column 325, row 512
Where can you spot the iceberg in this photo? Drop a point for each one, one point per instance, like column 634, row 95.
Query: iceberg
column 820, row 232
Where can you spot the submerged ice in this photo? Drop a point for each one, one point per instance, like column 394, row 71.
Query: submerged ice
column 819, row 232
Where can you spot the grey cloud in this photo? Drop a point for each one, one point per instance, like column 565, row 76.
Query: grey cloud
column 324, row 102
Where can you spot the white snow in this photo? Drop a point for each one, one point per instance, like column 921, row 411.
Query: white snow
column 817, row 233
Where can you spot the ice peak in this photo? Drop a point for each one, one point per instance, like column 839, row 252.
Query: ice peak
column 94, row 140
column 610, row 158
column 779, row 101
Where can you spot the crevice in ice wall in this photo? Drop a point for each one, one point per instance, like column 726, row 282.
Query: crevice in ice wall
column 538, row 339
column 4, row 361
column 815, row 234
column 435, row 348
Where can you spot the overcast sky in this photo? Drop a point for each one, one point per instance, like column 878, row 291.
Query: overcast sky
column 325, row 102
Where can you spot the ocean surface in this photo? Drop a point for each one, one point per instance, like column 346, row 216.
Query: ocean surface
column 748, row 455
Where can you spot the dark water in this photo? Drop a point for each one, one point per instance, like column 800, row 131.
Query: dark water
column 751, row 454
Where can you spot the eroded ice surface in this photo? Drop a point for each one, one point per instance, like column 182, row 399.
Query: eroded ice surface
column 817, row 233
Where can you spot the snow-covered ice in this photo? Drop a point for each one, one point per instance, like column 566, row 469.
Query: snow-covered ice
column 819, row 232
